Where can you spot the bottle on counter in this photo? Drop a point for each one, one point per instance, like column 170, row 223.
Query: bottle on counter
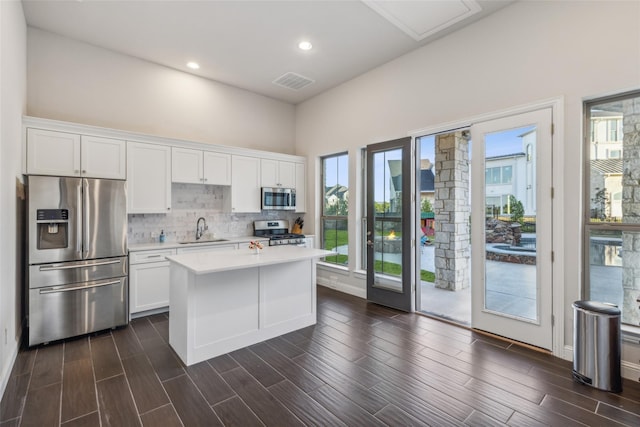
column 163, row 236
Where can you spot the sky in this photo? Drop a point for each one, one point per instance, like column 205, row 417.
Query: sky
column 496, row 144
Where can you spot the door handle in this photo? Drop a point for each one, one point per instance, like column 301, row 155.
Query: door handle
column 77, row 288
column 369, row 243
column 68, row 267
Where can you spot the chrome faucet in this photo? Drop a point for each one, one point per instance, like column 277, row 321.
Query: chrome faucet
column 200, row 229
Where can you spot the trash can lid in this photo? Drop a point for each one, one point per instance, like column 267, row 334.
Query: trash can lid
column 598, row 307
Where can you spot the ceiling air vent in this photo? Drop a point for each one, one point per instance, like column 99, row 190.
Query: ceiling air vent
column 293, row 81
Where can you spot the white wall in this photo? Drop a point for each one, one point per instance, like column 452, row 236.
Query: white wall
column 13, row 86
column 526, row 52
column 78, row 82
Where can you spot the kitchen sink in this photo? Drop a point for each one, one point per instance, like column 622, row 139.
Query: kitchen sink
column 188, row 242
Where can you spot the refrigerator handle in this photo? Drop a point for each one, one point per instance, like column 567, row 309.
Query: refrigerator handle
column 79, row 221
column 85, row 219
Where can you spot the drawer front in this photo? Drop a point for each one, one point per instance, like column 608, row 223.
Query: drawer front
column 150, row 256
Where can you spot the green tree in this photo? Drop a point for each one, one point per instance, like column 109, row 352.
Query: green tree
column 425, row 205
column 516, row 210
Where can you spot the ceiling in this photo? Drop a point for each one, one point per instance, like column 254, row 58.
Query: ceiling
column 249, row 44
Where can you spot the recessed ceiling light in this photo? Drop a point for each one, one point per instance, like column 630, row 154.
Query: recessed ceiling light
column 305, row 45
column 193, row 65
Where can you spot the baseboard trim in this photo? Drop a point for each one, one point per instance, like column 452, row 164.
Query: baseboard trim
column 342, row 287
column 6, row 373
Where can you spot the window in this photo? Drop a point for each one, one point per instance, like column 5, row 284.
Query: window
column 335, row 207
column 612, row 208
column 499, row 175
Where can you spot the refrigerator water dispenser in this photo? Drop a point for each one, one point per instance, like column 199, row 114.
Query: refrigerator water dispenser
column 53, row 228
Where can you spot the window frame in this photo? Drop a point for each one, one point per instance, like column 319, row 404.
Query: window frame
column 589, row 224
column 323, row 216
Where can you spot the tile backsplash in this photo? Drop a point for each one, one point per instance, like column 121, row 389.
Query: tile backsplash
column 190, row 202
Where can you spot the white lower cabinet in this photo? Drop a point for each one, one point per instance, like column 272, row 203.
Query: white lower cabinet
column 149, row 280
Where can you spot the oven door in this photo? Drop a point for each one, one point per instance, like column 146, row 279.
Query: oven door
column 58, row 312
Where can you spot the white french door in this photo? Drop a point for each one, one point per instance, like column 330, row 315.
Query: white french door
column 511, row 261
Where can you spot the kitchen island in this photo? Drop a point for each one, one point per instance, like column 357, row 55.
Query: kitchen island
column 223, row 301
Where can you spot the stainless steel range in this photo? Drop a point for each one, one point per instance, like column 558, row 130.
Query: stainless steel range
column 277, row 232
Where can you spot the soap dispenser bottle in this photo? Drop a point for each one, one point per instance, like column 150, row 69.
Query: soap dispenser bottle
column 162, row 236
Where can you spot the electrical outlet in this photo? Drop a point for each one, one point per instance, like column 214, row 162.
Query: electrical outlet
column 154, row 234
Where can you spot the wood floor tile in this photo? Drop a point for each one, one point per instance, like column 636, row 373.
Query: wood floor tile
column 361, row 365
column 78, row 390
column 223, row 363
column 303, row 406
column 147, row 390
column 270, row 411
column 351, row 389
column 127, row 342
column 188, row 402
column 162, row 358
column 294, row 373
column 76, row 349
column 394, row 416
column 257, row 367
column 343, row 408
column 42, row 407
column 116, row 403
column 164, row 416
column 210, row 383
column 89, row 420
column 235, row 413
column 14, row 397
column 47, row 368
column 106, row 362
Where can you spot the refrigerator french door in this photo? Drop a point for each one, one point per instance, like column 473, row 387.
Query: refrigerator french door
column 77, row 256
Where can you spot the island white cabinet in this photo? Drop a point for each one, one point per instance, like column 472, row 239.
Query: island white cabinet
column 224, row 301
column 149, row 280
column 276, row 173
column 245, row 184
column 68, row 154
column 200, row 167
column 149, row 178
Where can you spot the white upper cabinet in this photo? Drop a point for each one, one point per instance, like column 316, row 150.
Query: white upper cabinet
column 68, row 154
column 301, row 187
column 149, row 178
column 103, row 157
column 200, row 167
column 276, row 173
column 245, row 184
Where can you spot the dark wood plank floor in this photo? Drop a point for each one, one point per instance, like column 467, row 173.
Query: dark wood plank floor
column 361, row 365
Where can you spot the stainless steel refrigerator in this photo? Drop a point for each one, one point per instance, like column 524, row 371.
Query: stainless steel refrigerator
column 77, row 256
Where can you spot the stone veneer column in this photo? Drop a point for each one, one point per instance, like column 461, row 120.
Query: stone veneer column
column 451, row 209
column 631, row 210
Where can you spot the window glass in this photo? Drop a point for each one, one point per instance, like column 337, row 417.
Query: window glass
column 612, row 204
column 335, row 207
column 506, row 174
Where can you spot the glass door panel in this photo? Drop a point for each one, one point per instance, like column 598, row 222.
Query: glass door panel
column 511, row 249
column 389, row 224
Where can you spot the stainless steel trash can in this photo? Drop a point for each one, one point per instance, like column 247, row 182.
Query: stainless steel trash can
column 596, row 345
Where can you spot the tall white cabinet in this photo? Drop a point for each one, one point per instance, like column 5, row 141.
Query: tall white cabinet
column 245, row 187
column 149, row 178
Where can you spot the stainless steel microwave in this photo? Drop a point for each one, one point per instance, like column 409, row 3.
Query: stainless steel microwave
column 276, row 198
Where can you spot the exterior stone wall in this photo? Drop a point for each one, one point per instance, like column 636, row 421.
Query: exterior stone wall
column 631, row 210
column 451, row 208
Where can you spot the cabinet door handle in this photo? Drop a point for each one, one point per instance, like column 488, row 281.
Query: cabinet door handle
column 84, row 171
column 205, row 179
column 169, row 208
column 154, row 256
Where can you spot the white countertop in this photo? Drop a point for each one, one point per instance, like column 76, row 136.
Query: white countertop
column 171, row 245
column 213, row 262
